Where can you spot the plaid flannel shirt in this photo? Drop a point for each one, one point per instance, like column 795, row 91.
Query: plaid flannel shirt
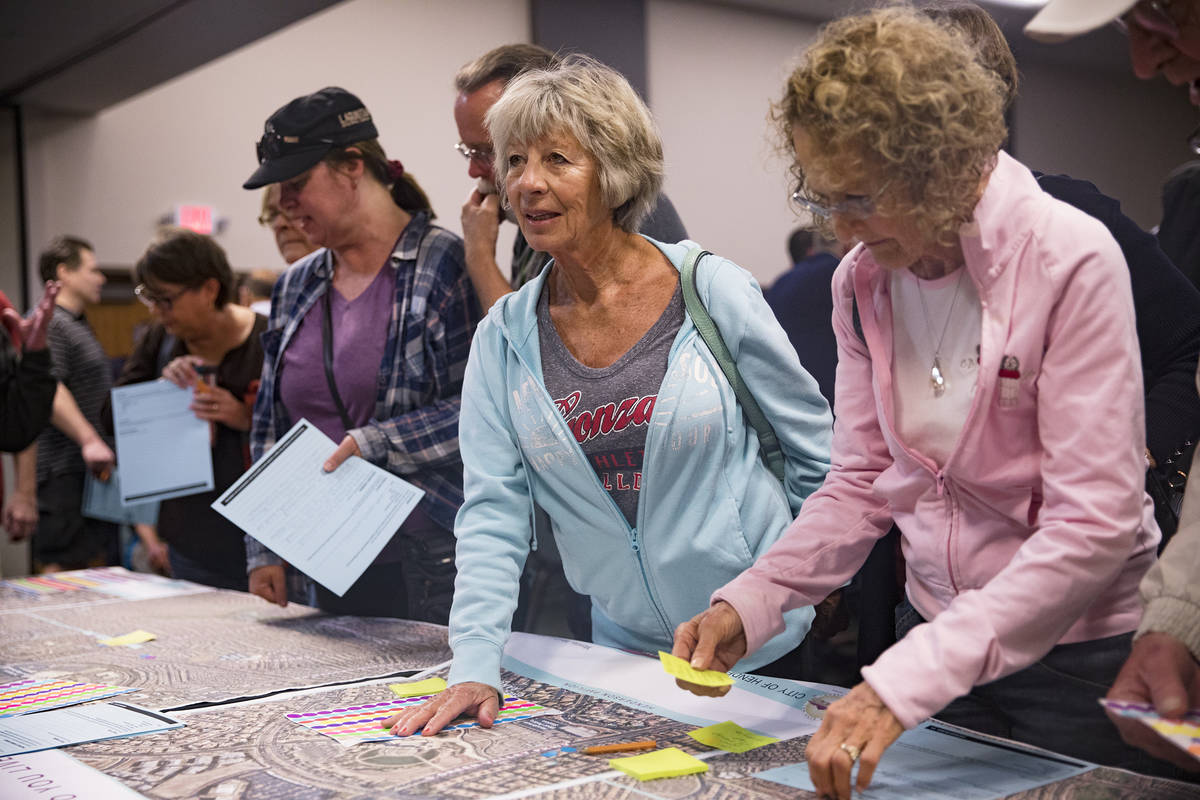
column 414, row 429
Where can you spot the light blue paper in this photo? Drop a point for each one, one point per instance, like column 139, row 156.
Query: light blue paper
column 163, row 448
column 938, row 762
column 328, row 525
column 92, row 722
column 102, row 500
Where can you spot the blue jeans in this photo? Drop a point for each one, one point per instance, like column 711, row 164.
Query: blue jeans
column 1052, row 703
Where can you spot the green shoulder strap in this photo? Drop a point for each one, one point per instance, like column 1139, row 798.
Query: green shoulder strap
column 769, row 444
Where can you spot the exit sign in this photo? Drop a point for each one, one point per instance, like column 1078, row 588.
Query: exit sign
column 196, row 218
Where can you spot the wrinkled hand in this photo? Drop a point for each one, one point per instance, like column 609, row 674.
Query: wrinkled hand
column 216, row 404
column 1161, row 671
column 347, row 448
column 481, row 223
column 713, row 639
column 475, row 699
column 270, row 583
column 861, row 720
column 30, row 334
column 20, row 516
column 98, row 458
column 181, row 371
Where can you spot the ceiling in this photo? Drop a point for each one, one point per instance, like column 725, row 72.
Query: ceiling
column 80, row 56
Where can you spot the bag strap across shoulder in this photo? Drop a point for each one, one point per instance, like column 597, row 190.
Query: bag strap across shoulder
column 768, row 442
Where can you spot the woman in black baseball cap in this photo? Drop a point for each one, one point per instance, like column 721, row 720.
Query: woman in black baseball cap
column 368, row 339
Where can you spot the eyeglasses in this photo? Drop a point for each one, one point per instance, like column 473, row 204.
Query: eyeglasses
column 485, row 154
column 855, row 207
column 276, row 145
column 269, row 216
column 163, row 301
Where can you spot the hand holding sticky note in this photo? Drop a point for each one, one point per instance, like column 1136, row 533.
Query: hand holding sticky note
column 684, row 671
column 669, row 763
column 418, row 688
column 730, row 737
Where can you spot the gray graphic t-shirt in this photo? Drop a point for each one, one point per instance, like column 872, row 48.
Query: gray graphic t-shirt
column 609, row 408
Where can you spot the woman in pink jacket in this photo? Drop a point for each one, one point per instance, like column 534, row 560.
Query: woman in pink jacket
column 989, row 400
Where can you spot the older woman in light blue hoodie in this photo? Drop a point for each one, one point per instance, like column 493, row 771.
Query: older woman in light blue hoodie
column 590, row 393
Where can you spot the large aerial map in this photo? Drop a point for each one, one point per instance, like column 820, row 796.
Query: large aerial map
column 233, row 667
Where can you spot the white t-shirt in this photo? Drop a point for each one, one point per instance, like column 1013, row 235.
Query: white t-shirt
column 925, row 421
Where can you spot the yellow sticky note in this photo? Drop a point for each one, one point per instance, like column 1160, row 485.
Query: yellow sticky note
column 731, row 737
column 669, row 763
column 419, row 688
column 701, row 677
column 137, row 637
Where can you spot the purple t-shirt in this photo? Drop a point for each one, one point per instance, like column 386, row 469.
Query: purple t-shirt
column 359, row 337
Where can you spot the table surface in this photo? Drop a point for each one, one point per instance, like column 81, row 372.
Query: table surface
column 215, row 646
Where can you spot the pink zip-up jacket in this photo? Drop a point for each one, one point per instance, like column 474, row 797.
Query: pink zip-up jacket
column 1037, row 528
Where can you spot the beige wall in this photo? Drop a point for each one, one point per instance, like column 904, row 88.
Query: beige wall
column 110, row 177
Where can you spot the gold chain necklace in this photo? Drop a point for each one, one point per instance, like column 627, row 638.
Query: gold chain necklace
column 937, row 378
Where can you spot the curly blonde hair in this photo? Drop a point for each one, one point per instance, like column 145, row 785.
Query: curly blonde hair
column 894, row 95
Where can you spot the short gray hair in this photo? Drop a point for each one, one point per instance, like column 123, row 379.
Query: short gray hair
column 595, row 104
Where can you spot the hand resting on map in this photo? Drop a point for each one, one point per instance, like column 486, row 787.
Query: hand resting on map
column 473, row 699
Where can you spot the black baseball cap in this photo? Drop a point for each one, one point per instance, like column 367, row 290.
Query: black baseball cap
column 296, row 137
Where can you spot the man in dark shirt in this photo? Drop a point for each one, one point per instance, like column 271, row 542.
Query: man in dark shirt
column 51, row 472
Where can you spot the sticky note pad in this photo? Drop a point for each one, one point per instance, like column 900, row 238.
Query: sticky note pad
column 669, row 763
column 419, row 688
column 137, row 637
column 701, row 677
column 731, row 737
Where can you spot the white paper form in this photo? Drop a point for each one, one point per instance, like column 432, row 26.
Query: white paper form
column 162, row 446
column 102, row 500
column 329, row 525
column 88, row 723
column 769, row 706
column 939, row 762
column 51, row 773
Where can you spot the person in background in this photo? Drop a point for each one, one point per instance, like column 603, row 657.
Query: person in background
column 1162, row 668
column 203, row 341
column 291, row 240
column 254, row 290
column 50, row 473
column 803, row 304
column 387, row 296
column 26, row 386
column 1020, row 502
column 479, row 85
column 590, row 394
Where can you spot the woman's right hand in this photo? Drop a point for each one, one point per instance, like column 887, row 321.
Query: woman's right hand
column 475, row 699
column 182, row 372
column 270, row 583
column 713, row 639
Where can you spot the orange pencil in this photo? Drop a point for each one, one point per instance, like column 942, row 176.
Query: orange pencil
column 619, row 747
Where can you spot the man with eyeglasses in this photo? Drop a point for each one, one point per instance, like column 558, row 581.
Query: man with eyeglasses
column 1162, row 669
column 479, row 85
column 51, row 472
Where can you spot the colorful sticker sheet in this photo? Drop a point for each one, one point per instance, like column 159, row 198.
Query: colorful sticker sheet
column 27, row 696
column 354, row 724
column 1184, row 734
column 113, row 581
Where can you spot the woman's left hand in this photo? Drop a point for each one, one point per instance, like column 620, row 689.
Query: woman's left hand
column 214, row 404
column 858, row 727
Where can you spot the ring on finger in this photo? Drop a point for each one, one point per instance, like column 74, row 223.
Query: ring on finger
column 851, row 751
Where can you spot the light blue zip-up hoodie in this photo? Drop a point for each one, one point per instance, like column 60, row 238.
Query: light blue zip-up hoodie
column 708, row 505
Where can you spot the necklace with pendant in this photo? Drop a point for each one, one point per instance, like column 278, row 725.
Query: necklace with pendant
column 937, row 378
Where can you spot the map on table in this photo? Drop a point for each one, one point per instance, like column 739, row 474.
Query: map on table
column 211, row 647
column 27, row 696
column 354, row 724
